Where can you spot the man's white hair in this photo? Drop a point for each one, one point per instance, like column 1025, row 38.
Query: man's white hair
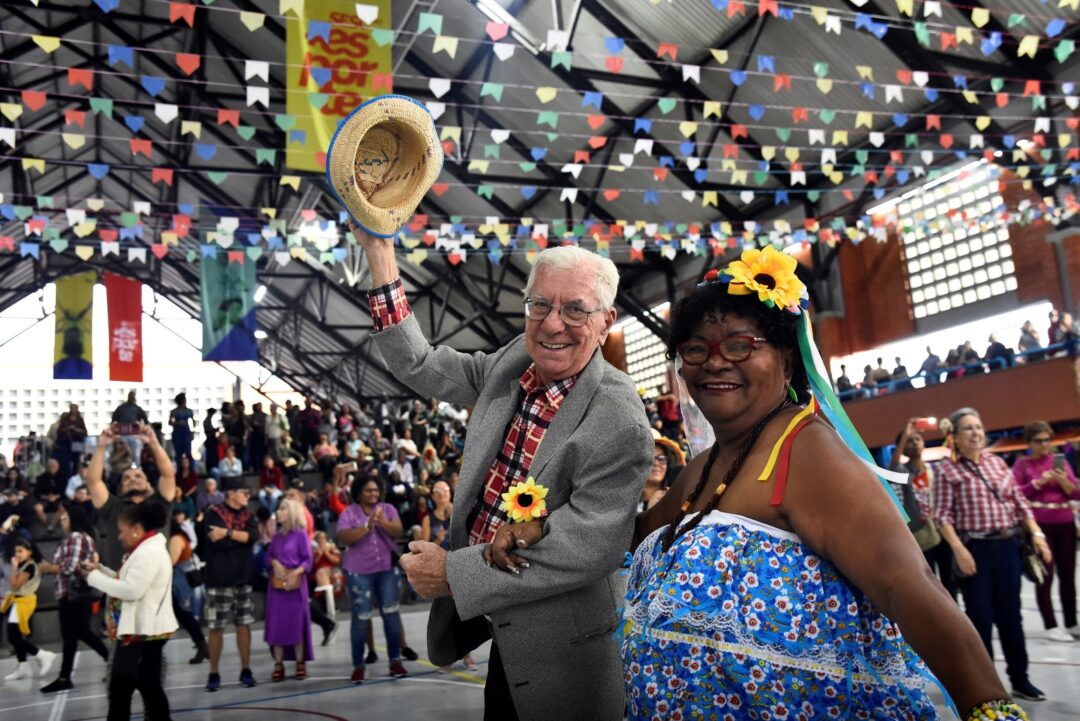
column 568, row 257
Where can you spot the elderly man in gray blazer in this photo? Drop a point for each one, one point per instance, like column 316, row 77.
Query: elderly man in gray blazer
column 546, row 406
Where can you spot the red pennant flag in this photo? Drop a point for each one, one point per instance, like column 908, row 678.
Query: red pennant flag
column 613, row 64
column 383, row 81
column 735, row 7
column 896, row 156
column 612, row 194
column 141, row 145
column 597, row 141
column 1073, row 154
column 181, row 224
column 595, row 121
column 1031, row 87
column 125, row 328
column 872, row 177
column 162, row 175
column 933, row 121
column 160, row 250
column 768, row 6
column 236, row 256
column 1002, row 99
column 496, row 31
column 636, row 256
column 1039, row 139
column 448, row 147
column 738, row 131
column 946, row 140
column 669, row 49
column 731, row 150
column 188, row 62
column 440, row 188
column 890, row 170
column 659, row 174
column 7, row 243
column 781, row 80
column 581, row 156
column 904, row 76
column 948, row 40
column 33, row 99
column 800, row 115
column 81, row 76
column 108, row 234
column 182, row 11
column 232, row 117
column 76, row 117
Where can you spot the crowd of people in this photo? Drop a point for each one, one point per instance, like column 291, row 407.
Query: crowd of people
column 1062, row 338
column 749, row 550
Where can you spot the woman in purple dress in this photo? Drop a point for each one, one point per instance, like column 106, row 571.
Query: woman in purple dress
column 288, row 616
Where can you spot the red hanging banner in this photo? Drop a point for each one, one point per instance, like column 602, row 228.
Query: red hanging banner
column 125, row 328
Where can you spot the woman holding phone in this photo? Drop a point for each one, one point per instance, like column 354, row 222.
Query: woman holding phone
column 1048, row 482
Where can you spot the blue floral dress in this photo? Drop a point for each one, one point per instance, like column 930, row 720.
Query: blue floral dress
column 739, row 620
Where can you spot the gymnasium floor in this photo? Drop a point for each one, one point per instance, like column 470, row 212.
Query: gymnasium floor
column 423, row 696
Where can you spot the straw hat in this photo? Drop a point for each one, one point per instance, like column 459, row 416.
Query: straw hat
column 382, row 160
column 672, row 446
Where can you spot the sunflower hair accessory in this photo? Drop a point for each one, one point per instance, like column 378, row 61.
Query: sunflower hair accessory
column 525, row 501
column 770, row 274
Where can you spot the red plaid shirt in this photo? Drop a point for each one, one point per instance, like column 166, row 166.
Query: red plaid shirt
column 72, row 551
column 524, row 433
column 962, row 500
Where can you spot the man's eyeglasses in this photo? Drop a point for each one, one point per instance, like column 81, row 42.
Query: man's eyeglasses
column 1040, row 440
column 572, row 314
column 733, row 349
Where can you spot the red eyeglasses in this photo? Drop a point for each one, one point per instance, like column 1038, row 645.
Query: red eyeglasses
column 733, row 349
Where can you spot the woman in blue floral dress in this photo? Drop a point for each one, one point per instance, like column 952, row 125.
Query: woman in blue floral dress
column 774, row 578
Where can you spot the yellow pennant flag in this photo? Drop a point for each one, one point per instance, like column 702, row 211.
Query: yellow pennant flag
column 712, row 107
column 792, row 154
column 768, row 152
column 445, row 43
column 545, row 94
column 1023, row 171
column 965, row 35
column 73, row 140
column 864, row 119
column 688, row 128
column 11, row 111
column 971, row 97
column 1028, row 46
column 297, row 6
column 819, row 13
column 1064, row 140
column 480, row 166
column 48, row 43
column 865, row 72
column 191, row 127
column 709, row 197
column 824, row 85
column 169, row 237
column 36, row 163
column 839, row 137
column 739, row 177
column 979, row 17
column 292, row 181
column 1074, row 4
column 252, row 21
column 728, row 164
column 982, row 122
column 721, row 56
column 451, row 132
column 85, row 228
column 906, row 7
column 1019, row 156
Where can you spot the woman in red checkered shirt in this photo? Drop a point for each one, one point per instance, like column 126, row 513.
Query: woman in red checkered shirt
column 982, row 514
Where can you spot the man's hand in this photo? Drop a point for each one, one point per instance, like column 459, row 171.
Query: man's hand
column 425, row 565
column 108, row 435
column 512, row 537
column 216, row 533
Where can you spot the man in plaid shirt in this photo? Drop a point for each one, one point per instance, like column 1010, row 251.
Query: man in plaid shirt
column 548, row 406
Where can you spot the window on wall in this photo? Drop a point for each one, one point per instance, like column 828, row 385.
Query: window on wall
column 955, row 244
column 645, row 361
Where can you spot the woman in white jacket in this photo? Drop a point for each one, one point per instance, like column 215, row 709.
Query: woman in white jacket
column 140, row 605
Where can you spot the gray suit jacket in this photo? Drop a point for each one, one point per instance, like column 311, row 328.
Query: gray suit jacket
column 554, row 622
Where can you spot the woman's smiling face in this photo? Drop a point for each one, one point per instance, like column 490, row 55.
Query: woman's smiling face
column 743, row 392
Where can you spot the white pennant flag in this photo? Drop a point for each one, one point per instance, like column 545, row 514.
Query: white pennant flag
column 75, row 216
column 1042, row 125
column 557, row 40
column 7, row 135
column 503, row 51
column 643, row 145
column 436, row 109
column 257, row 69
column 166, row 112
column 626, row 159
column 927, row 157
column 573, row 169
column 817, row 135
column 141, row 207
column 832, row 24
column 976, row 141
column 877, row 138
column 138, row 254
column 931, row 8
column 691, row 72
column 258, row 95
column 282, row 257
column 894, row 92
column 439, row 86
column 569, row 194
column 499, row 136
column 828, row 155
column 798, row 177
column 110, row 246
column 688, row 196
column 693, row 163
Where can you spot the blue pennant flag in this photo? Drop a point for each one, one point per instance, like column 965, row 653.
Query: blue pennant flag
column 121, row 54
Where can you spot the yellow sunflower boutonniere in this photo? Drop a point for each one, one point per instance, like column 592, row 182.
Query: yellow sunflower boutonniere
column 525, row 501
column 768, row 273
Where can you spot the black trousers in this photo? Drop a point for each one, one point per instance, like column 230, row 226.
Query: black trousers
column 498, row 703
column 137, row 666
column 189, row 623
column 1061, row 538
column 75, row 627
column 992, row 598
column 23, row 646
column 318, row 613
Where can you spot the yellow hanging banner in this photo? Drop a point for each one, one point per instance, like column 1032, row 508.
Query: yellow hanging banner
column 331, row 71
column 73, row 350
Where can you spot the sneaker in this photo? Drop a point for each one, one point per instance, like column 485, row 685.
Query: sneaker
column 247, row 678
column 1074, row 631
column 213, row 682
column 357, row 677
column 22, row 670
column 60, row 684
column 328, row 636
column 397, row 670
column 372, row 657
column 1057, row 633
column 408, row 654
column 445, row 669
column 1026, row 690
column 42, row 662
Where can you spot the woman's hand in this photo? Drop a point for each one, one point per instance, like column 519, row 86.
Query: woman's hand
column 509, row 539
column 87, row 567
column 965, row 562
column 1042, row 548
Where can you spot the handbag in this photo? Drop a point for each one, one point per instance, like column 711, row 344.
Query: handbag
column 282, row 584
column 79, row 591
column 1031, row 563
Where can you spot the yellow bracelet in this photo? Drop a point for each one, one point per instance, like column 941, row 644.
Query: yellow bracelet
column 997, row 710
